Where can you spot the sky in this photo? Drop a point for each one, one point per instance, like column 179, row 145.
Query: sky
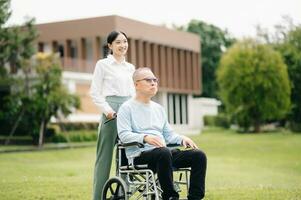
column 239, row 17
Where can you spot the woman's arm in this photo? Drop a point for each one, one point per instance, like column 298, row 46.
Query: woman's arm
column 96, row 90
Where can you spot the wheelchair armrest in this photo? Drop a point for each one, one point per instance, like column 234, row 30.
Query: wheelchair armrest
column 132, row 144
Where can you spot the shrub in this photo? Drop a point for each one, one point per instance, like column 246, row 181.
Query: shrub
column 74, row 136
column 74, row 126
column 209, row 120
column 253, row 84
column 59, row 138
column 221, row 120
column 296, row 127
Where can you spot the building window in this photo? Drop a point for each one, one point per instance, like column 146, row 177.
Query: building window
column 61, row 50
column 73, row 49
column 40, row 47
column 177, row 108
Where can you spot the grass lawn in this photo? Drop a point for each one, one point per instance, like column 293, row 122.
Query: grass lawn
column 240, row 166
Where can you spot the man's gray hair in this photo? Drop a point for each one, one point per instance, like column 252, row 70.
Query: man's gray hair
column 139, row 71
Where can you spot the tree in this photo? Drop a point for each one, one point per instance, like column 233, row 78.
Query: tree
column 286, row 38
column 50, row 96
column 213, row 42
column 4, row 16
column 16, row 42
column 32, row 96
column 290, row 49
column 253, row 84
column 16, row 47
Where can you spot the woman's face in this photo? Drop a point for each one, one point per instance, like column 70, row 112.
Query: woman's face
column 119, row 46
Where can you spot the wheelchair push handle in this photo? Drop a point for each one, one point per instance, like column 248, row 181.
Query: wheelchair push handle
column 114, row 117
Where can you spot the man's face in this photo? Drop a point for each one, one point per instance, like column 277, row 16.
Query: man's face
column 147, row 84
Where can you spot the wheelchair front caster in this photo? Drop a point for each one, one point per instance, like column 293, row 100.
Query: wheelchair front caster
column 115, row 189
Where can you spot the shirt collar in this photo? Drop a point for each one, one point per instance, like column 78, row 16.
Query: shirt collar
column 113, row 60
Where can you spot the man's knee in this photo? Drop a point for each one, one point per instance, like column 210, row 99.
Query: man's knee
column 199, row 156
column 164, row 154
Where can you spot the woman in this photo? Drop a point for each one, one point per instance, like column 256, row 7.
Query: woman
column 111, row 85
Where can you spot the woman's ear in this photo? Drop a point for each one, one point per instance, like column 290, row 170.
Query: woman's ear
column 110, row 46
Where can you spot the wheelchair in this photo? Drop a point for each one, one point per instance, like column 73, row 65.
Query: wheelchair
column 138, row 181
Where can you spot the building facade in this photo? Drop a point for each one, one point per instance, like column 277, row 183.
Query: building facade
column 173, row 56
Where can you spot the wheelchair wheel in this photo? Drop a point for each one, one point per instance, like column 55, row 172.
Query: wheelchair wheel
column 114, row 189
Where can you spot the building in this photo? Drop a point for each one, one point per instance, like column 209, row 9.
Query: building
column 174, row 57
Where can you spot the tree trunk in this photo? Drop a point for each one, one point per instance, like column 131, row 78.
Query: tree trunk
column 41, row 134
column 257, row 127
column 15, row 126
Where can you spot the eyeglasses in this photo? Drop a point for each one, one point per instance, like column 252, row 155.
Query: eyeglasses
column 149, row 80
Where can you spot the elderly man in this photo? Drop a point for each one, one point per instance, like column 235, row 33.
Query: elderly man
column 142, row 120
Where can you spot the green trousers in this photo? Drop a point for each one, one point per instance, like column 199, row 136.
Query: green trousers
column 107, row 134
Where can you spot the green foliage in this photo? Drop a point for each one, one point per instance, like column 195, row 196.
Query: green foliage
column 290, row 48
column 74, row 136
column 71, row 126
column 16, row 47
column 254, row 84
column 4, row 11
column 221, row 120
column 286, row 39
column 4, row 35
column 30, row 99
column 59, row 138
column 213, row 42
column 49, row 96
column 16, row 42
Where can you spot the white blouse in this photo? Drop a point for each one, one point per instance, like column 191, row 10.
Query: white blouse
column 111, row 78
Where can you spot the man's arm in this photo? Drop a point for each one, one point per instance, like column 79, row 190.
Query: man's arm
column 124, row 127
column 173, row 138
column 169, row 135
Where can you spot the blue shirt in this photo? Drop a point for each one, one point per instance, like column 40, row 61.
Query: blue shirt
column 136, row 119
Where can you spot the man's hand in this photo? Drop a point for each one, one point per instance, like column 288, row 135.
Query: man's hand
column 154, row 140
column 187, row 142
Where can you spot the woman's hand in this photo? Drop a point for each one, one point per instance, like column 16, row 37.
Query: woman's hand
column 111, row 115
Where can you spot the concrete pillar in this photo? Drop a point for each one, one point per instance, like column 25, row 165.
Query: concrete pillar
column 96, row 48
column 170, row 74
column 176, row 68
column 162, row 61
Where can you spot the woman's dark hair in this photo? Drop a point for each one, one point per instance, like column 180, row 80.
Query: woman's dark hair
column 110, row 39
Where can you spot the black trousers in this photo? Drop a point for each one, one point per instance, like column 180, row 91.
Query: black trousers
column 162, row 160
